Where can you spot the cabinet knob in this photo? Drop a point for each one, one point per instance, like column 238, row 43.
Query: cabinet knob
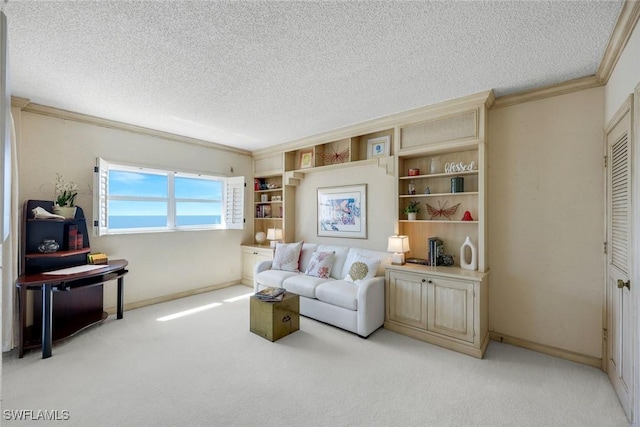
column 424, row 280
column 430, row 281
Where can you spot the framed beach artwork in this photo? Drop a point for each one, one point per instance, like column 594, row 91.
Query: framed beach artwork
column 342, row 211
column 378, row 147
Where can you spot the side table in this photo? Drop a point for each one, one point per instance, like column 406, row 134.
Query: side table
column 274, row 320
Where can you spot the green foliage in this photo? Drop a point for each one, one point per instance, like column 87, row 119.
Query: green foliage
column 412, row 207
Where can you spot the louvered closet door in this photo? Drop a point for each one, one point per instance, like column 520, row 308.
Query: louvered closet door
column 619, row 306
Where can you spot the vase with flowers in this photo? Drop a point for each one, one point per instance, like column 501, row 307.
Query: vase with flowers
column 65, row 196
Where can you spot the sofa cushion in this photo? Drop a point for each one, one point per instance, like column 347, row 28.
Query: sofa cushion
column 320, row 265
column 274, row 277
column 339, row 258
column 306, row 253
column 340, row 293
column 287, row 257
column 384, row 257
column 303, row 285
column 362, row 268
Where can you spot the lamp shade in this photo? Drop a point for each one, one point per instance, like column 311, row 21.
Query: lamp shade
column 274, row 233
column 398, row 244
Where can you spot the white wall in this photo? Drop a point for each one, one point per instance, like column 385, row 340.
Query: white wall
column 381, row 202
column 546, row 216
column 160, row 264
column 625, row 76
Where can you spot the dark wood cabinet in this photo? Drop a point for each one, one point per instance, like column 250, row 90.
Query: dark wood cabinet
column 35, row 231
column 78, row 301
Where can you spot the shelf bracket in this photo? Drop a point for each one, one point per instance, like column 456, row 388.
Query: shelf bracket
column 293, row 178
column 387, row 162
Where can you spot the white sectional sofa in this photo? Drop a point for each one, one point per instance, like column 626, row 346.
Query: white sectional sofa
column 356, row 307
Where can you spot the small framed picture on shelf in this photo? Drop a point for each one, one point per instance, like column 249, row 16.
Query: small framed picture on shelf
column 378, row 147
column 306, row 158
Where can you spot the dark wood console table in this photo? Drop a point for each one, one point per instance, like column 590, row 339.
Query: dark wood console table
column 58, row 323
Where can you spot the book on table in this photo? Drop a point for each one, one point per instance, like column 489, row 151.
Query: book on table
column 270, row 294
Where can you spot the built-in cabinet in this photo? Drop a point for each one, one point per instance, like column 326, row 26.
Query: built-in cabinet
column 448, row 308
column 438, row 157
column 251, row 255
column 441, row 167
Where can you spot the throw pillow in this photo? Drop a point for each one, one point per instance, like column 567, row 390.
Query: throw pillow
column 362, row 268
column 320, row 264
column 287, row 256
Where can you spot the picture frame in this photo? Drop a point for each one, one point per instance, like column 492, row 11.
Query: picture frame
column 378, row 147
column 306, row 158
column 342, row 211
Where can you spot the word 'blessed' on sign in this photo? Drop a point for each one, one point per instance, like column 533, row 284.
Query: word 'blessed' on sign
column 459, row 167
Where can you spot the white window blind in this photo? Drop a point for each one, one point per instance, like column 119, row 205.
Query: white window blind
column 620, row 203
column 234, row 206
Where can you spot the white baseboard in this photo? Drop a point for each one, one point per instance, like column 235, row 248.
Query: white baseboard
column 595, row 362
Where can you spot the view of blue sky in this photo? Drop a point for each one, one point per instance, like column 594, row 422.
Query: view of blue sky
column 138, row 184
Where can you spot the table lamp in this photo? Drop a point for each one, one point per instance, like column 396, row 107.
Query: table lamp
column 275, row 235
column 398, row 245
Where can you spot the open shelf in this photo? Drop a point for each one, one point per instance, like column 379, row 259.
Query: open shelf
column 58, row 254
column 464, row 193
column 441, row 175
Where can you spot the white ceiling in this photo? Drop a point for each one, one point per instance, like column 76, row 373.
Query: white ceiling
column 253, row 74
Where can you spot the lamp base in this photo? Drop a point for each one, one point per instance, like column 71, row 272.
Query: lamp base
column 397, row 258
column 273, row 244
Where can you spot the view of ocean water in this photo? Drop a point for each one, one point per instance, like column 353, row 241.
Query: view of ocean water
column 147, row 221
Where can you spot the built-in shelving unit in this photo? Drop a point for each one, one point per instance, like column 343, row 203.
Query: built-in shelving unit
column 443, row 305
column 349, row 151
column 448, row 143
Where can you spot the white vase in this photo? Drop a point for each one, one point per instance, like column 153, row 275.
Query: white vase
column 69, row 212
column 471, row 264
column 435, row 166
column 412, row 216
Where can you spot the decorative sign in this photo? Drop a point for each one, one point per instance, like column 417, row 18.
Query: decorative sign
column 452, row 167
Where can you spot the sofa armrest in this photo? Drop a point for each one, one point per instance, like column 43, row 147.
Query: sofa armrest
column 259, row 267
column 370, row 305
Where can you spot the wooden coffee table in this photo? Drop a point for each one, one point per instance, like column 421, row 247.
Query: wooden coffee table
column 274, row 320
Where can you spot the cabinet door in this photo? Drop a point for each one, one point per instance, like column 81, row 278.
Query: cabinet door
column 250, row 257
column 451, row 308
column 407, row 299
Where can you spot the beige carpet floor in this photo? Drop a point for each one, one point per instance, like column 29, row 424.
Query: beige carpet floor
column 207, row 369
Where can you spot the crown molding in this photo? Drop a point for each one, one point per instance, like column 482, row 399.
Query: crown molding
column 563, row 88
column 44, row 110
column 625, row 25
column 627, row 20
column 17, row 102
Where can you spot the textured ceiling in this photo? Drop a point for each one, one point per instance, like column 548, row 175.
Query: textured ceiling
column 255, row 74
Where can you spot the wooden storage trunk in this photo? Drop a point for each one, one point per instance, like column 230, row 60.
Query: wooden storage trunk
column 274, row 320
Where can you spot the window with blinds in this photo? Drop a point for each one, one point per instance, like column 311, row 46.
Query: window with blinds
column 130, row 199
column 620, row 203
